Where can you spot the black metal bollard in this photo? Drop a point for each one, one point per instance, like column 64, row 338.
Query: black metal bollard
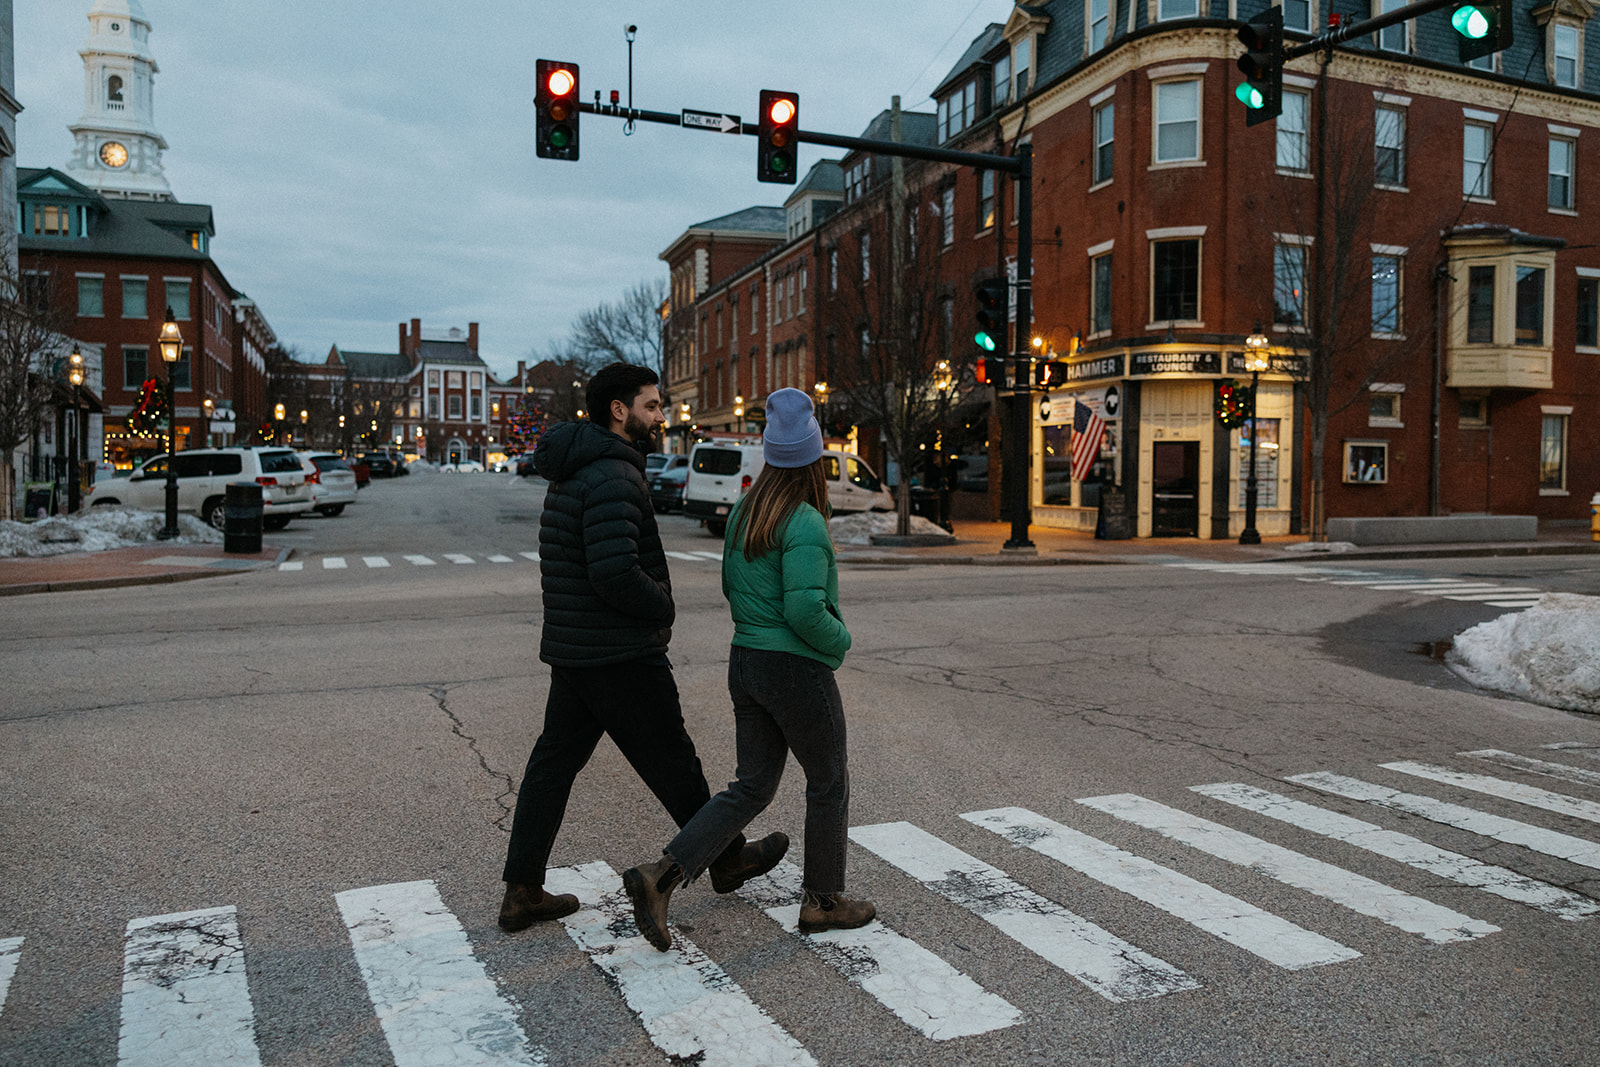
column 241, row 512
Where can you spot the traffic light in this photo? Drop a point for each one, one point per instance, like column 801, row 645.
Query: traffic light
column 1262, row 64
column 1049, row 374
column 555, row 101
column 779, row 131
column 991, row 372
column 994, row 298
column 1484, row 28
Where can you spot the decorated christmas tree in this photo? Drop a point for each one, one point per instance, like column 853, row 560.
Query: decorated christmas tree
column 150, row 414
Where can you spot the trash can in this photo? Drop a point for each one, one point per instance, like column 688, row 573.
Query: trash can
column 241, row 514
column 1594, row 517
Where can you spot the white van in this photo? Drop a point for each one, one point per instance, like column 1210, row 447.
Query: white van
column 720, row 472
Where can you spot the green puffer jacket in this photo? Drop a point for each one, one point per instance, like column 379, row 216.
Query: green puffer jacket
column 787, row 600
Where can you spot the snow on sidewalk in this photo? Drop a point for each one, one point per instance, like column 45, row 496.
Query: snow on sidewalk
column 1548, row 654
column 98, row 529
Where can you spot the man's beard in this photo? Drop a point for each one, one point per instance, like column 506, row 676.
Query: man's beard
column 639, row 431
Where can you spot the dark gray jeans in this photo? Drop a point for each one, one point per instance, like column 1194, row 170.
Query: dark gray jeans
column 781, row 703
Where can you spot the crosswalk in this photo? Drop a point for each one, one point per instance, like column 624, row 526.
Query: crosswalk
column 1465, row 590
column 459, row 559
column 187, row 996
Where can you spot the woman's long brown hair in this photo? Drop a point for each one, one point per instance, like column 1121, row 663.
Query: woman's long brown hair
column 772, row 499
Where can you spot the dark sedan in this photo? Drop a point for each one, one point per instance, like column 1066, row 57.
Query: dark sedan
column 666, row 488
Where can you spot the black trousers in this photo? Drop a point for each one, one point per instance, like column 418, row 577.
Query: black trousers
column 637, row 705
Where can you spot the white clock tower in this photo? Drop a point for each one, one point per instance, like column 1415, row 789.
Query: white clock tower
column 119, row 151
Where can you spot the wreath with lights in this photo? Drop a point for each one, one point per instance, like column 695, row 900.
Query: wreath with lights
column 265, row 432
column 151, row 411
column 1233, row 403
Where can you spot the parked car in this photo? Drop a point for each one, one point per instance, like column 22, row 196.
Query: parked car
column 466, row 466
column 721, row 472
column 505, row 466
column 203, row 475
column 666, row 484
column 332, row 481
column 655, row 463
column 378, row 464
column 525, row 467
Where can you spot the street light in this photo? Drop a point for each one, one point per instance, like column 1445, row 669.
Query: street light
column 1256, row 360
column 74, row 445
column 171, row 345
column 821, row 389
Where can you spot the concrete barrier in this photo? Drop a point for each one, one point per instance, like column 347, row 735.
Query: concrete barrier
column 1434, row 529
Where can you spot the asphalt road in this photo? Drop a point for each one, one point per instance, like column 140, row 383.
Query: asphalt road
column 321, row 749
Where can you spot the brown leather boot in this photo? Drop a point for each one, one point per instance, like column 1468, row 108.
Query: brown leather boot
column 833, row 911
column 526, row 904
column 650, row 887
column 752, row 861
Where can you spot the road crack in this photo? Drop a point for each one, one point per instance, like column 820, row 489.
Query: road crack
column 507, row 798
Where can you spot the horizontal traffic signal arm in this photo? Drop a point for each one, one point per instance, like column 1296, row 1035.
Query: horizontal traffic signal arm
column 1352, row 30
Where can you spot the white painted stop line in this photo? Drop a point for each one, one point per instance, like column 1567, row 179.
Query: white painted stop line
column 1098, row 958
column 1530, row 795
column 688, row 1005
column 10, row 950
column 1579, row 775
column 1434, row 922
column 1406, row 849
column 184, row 994
column 922, row 990
column 1235, row 921
column 434, row 1000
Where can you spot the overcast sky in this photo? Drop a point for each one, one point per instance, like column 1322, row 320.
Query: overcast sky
column 373, row 162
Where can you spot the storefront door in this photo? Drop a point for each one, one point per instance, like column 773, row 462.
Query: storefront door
column 1175, row 485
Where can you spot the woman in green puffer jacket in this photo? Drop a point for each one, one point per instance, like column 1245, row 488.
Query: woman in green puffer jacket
column 779, row 577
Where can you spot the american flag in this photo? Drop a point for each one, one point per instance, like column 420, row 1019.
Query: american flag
column 1088, row 430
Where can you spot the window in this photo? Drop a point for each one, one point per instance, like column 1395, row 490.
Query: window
column 833, row 279
column 114, row 89
column 1105, row 123
column 1002, row 80
column 1386, row 295
column 1020, row 60
column 134, row 304
column 947, row 215
column 433, row 405
column 1177, row 9
column 1177, row 121
column 1480, row 305
column 1530, row 306
column 1267, row 452
column 958, row 111
column 1366, row 462
column 753, row 302
column 985, row 199
column 1477, row 142
column 1390, row 144
column 180, row 373
column 476, row 406
column 1393, row 38
column 1472, row 411
column 855, row 181
column 1553, row 452
column 91, row 296
column 1293, row 153
column 178, row 298
column 453, row 401
column 1288, row 284
column 1383, row 405
column 1564, row 55
column 452, row 379
column 52, row 220
column 1562, row 153
column 866, row 256
column 1099, row 24
column 1588, row 312
column 1297, row 15
column 1175, row 288
column 135, row 367
column 1100, row 297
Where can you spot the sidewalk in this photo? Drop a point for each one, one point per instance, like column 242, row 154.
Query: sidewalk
column 144, row 565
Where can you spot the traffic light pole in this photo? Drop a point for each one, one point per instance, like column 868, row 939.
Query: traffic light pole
column 1360, row 29
column 1019, row 166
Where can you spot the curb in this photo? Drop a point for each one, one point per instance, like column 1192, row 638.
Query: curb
column 69, row 585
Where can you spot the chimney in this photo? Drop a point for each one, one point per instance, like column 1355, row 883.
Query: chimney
column 416, row 335
column 403, row 349
column 472, row 337
column 522, row 372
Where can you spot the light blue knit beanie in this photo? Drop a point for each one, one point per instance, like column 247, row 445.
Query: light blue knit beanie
column 792, row 437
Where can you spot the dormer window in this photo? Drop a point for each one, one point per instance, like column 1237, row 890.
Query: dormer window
column 52, row 220
column 1002, row 81
column 958, row 111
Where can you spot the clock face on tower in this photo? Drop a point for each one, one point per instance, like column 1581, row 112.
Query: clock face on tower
column 113, row 154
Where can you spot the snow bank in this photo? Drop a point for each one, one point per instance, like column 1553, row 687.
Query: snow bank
column 97, row 529
column 1320, row 546
column 858, row 529
column 1549, row 654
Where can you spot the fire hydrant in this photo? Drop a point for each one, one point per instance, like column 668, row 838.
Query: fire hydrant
column 1594, row 517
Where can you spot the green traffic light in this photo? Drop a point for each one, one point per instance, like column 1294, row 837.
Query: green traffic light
column 1250, row 96
column 1470, row 22
column 560, row 137
column 985, row 342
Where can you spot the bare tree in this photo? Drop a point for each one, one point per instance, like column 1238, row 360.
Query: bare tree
column 627, row 330
column 31, row 337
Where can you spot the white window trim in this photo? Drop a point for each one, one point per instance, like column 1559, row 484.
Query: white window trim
column 1168, row 233
column 1094, row 144
column 1103, row 95
column 1572, row 173
column 1173, row 71
column 1400, row 104
column 1294, row 239
column 1472, row 114
column 1363, row 442
column 1390, row 250
column 1398, row 252
column 1299, row 81
column 1475, row 118
column 1550, row 53
column 1391, row 99
column 1555, row 409
column 1105, row 246
column 1388, row 389
column 1290, row 172
column 1569, row 132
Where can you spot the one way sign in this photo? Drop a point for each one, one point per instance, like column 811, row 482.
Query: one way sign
column 708, row 120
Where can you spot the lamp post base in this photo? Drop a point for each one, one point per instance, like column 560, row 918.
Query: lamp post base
column 1249, row 536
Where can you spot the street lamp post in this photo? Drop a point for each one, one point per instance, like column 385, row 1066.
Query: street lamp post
column 171, row 345
column 74, row 439
column 1256, row 360
column 821, row 389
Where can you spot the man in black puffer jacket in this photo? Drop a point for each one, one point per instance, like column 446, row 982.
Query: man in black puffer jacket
column 608, row 616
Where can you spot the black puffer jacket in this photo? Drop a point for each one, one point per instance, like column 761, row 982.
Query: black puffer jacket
column 607, row 597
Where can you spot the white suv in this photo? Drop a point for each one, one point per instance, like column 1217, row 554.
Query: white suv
column 333, row 483
column 203, row 476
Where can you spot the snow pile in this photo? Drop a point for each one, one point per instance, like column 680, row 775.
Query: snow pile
column 1320, row 546
column 1549, row 654
column 858, row 529
column 97, row 529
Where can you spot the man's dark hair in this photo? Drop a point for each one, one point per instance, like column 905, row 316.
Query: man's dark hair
column 619, row 381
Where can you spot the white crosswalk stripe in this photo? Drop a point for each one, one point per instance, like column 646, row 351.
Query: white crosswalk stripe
column 1107, row 964
column 1577, row 775
column 10, row 950
column 333, row 563
column 1461, row 589
column 375, row 561
column 498, row 559
column 457, row 557
column 339, row 563
column 184, row 995
column 689, row 1006
column 1581, row 748
column 683, row 555
column 529, row 555
column 1406, row 849
column 434, row 1001
column 1530, row 795
column 418, row 561
column 1512, row 832
column 1233, row 920
column 291, row 565
column 921, row 989
column 1356, row 892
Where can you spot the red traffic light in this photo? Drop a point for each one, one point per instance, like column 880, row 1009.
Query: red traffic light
column 778, row 131
column 556, row 109
column 562, row 82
